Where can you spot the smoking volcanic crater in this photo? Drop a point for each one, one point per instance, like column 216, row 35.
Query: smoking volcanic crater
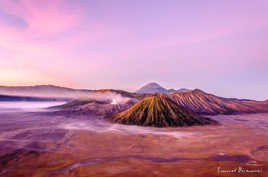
column 158, row 107
column 159, row 111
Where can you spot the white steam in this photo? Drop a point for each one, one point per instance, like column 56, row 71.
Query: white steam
column 27, row 106
column 111, row 97
column 114, row 101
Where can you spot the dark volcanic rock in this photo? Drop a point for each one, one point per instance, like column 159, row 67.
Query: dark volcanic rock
column 159, row 111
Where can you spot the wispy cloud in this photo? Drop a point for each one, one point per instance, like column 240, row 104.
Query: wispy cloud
column 121, row 44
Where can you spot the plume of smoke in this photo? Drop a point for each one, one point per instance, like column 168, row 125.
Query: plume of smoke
column 110, row 97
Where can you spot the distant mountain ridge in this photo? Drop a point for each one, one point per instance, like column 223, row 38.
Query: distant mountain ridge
column 43, row 91
column 154, row 87
column 195, row 100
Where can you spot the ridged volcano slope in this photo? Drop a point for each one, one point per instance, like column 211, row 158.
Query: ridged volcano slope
column 204, row 103
column 159, row 111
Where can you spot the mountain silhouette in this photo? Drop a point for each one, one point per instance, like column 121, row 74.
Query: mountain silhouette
column 44, row 91
column 154, row 87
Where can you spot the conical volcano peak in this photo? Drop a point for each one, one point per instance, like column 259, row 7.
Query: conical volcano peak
column 159, row 111
column 152, row 85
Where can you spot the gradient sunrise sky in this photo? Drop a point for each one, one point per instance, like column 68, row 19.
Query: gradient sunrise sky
column 219, row 46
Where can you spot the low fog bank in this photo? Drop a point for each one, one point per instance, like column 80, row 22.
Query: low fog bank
column 55, row 92
column 27, row 106
column 258, row 121
column 102, row 126
column 45, row 91
column 43, row 132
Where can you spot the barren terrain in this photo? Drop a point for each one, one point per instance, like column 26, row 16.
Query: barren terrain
column 47, row 145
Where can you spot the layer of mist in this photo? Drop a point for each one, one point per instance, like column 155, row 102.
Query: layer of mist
column 50, row 91
column 104, row 126
column 27, row 106
column 32, row 128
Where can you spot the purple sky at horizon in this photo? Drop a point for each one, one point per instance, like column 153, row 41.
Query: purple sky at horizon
column 217, row 46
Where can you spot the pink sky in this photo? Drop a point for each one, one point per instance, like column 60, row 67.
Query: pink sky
column 217, row 46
